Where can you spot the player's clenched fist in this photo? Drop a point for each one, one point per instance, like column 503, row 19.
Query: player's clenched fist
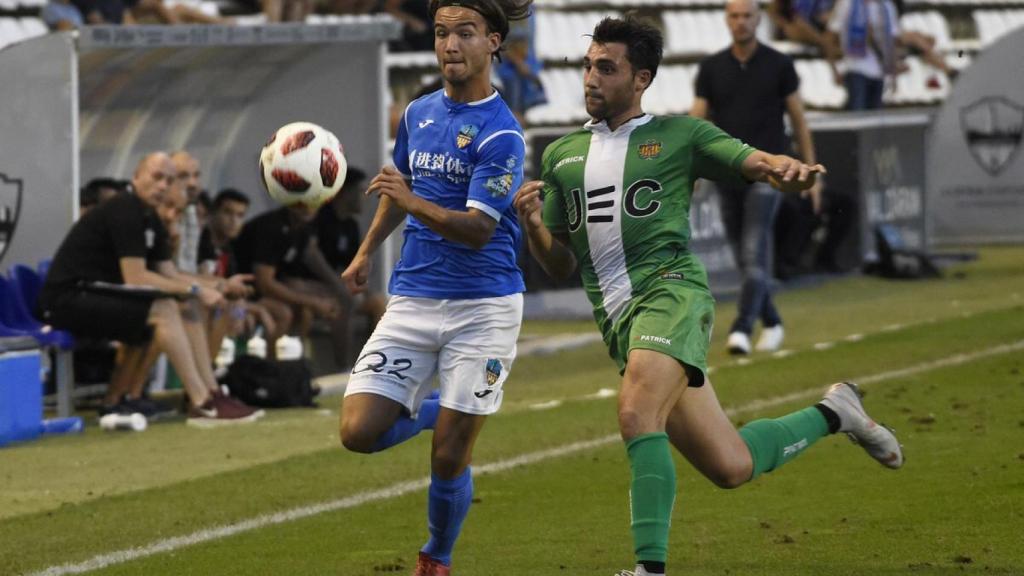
column 528, row 203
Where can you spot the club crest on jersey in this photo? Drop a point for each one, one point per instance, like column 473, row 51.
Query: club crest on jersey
column 493, row 370
column 499, row 185
column 650, row 149
column 466, row 135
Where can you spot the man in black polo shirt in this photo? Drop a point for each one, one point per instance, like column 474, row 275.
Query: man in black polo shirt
column 276, row 246
column 112, row 278
column 744, row 90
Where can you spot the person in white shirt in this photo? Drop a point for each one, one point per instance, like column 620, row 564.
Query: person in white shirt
column 867, row 30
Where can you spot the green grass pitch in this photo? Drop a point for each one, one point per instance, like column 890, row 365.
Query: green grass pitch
column 941, row 361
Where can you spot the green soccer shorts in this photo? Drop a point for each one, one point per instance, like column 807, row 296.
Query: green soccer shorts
column 672, row 317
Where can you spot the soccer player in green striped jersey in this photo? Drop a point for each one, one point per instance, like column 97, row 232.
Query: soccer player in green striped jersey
column 616, row 203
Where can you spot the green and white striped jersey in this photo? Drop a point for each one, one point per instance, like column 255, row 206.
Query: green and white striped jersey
column 623, row 197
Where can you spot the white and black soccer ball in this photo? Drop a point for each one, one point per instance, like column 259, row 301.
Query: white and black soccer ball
column 303, row 162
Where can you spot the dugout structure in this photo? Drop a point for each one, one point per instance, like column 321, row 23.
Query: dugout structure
column 89, row 104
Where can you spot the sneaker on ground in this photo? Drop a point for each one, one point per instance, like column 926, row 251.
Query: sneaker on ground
column 148, row 408
column 260, row 413
column 876, row 439
column 770, row 339
column 738, row 343
column 427, row 566
column 218, row 412
column 119, row 408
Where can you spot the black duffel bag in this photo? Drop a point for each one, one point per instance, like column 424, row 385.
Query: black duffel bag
column 270, row 383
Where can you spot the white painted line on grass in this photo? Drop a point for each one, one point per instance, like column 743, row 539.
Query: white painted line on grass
column 403, row 488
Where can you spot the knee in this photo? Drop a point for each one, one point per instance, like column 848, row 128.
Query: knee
column 730, row 476
column 356, row 437
column 163, row 314
column 632, row 422
column 448, row 463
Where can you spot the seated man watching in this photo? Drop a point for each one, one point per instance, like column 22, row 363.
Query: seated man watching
column 272, row 246
column 112, row 278
column 338, row 236
column 216, row 258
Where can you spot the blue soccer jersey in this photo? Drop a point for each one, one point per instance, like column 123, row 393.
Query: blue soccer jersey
column 460, row 156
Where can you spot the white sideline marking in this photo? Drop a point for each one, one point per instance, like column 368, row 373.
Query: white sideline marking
column 403, row 488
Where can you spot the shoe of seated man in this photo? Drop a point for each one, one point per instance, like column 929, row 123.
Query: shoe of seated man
column 738, row 343
column 427, row 566
column 224, row 397
column 217, row 411
column 147, row 407
column 770, row 339
column 877, row 440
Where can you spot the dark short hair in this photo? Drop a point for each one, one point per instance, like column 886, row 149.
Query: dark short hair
column 89, row 195
column 203, row 198
column 497, row 13
column 644, row 43
column 229, row 195
column 354, row 177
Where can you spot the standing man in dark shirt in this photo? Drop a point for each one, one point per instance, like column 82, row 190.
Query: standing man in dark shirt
column 744, row 90
column 275, row 247
column 93, row 291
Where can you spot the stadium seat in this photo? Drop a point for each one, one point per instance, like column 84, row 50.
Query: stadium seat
column 32, row 27
column 29, row 282
column 17, row 320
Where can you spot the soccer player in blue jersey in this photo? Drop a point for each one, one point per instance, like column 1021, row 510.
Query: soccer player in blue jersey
column 456, row 304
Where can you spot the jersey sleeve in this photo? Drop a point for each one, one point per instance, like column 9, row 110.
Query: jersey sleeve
column 702, row 86
column 718, row 156
column 162, row 246
column 400, row 155
column 554, row 212
column 790, row 81
column 497, row 172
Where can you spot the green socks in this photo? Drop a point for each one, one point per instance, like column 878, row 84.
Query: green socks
column 651, row 494
column 772, row 443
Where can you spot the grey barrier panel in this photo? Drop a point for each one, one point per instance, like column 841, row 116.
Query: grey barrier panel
column 37, row 150
column 153, row 90
column 91, row 104
column 975, row 164
column 876, row 162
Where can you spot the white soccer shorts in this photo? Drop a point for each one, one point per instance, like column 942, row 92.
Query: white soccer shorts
column 468, row 344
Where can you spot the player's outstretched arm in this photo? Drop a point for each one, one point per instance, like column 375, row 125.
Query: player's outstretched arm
column 782, row 172
column 473, row 228
column 554, row 257
column 388, row 216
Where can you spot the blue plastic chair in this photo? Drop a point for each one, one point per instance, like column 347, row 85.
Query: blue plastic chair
column 30, row 283
column 17, row 320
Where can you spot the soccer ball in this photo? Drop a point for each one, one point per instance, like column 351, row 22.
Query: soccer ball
column 303, row 162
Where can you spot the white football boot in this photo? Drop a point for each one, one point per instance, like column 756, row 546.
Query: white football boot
column 738, row 343
column 770, row 339
column 844, row 399
column 638, row 572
